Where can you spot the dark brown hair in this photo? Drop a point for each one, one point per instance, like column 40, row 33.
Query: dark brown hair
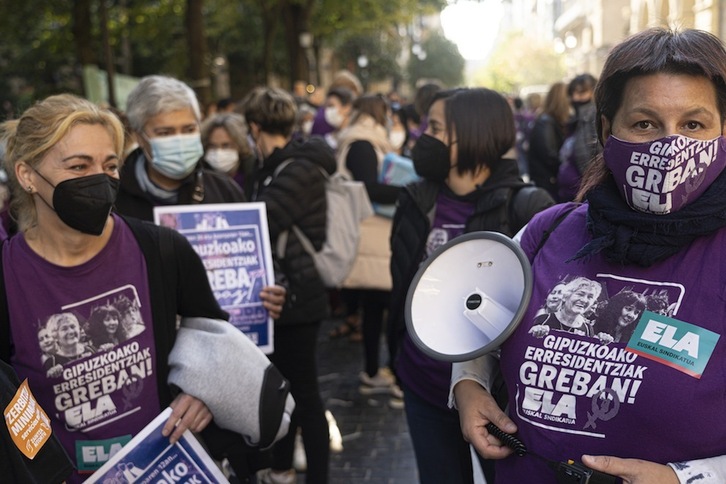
column 484, row 125
column 653, row 51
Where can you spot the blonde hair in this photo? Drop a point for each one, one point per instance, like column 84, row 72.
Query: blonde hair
column 345, row 78
column 29, row 138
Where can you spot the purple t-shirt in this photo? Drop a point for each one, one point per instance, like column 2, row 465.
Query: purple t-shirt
column 427, row 377
column 83, row 338
column 654, row 392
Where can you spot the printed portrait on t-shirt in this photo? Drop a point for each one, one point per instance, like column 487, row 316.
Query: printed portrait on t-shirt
column 583, row 362
column 89, row 327
column 585, row 307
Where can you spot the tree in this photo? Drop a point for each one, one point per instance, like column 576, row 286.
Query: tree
column 437, row 58
column 520, row 61
column 197, row 45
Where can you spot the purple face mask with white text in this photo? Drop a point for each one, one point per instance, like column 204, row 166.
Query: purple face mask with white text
column 664, row 175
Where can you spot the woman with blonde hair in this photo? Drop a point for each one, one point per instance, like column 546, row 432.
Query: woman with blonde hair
column 548, row 134
column 63, row 159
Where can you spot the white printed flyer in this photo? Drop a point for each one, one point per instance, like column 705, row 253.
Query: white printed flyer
column 150, row 458
column 233, row 242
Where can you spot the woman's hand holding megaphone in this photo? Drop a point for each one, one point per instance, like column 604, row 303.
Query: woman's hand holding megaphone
column 476, row 409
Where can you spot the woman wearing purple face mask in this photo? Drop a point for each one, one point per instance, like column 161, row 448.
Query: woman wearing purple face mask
column 644, row 406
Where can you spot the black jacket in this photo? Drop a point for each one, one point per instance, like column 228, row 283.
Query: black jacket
column 202, row 186
column 545, row 142
column 51, row 465
column 296, row 196
column 503, row 204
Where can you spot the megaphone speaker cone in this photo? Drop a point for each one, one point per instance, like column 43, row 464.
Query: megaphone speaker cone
column 468, row 296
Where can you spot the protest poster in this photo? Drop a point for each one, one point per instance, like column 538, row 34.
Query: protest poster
column 150, row 458
column 233, row 242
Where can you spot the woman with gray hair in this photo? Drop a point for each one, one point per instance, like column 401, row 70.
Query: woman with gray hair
column 165, row 169
column 226, row 149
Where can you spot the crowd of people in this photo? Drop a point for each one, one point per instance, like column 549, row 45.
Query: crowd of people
column 611, row 187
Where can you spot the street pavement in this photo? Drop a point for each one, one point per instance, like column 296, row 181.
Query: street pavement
column 376, row 444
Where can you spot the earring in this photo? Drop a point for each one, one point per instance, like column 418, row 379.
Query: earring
column 30, row 189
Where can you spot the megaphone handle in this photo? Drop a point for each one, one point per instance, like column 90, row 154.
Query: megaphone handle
column 507, row 439
column 567, row 472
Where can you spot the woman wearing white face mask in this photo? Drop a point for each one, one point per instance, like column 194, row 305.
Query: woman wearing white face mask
column 338, row 109
column 165, row 169
column 226, row 150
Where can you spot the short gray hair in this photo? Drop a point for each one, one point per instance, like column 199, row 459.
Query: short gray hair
column 233, row 124
column 159, row 94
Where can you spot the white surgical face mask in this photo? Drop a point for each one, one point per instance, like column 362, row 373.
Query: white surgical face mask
column 222, row 159
column 333, row 116
column 176, row 156
column 397, row 138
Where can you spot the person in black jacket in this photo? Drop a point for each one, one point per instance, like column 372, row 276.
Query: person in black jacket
column 294, row 194
column 167, row 168
column 545, row 140
column 50, row 466
column 467, row 186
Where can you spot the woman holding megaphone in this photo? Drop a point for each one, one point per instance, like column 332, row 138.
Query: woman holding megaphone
column 643, row 404
column 469, row 184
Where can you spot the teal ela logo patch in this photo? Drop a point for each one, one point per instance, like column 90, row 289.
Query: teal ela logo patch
column 680, row 345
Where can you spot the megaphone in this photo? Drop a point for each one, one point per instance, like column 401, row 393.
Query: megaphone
column 469, row 296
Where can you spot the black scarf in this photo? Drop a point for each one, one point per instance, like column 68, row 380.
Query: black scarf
column 627, row 236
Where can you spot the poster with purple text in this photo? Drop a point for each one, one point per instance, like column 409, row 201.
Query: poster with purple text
column 233, row 242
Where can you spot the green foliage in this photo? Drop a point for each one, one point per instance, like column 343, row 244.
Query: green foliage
column 156, row 30
column 40, row 54
column 380, row 50
column 355, row 17
column 37, row 50
column 519, row 61
column 235, row 30
column 439, row 59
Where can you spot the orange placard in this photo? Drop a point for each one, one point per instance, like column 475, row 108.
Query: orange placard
column 28, row 424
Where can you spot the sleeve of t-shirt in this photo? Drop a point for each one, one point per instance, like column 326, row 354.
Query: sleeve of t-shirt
column 479, row 369
column 362, row 162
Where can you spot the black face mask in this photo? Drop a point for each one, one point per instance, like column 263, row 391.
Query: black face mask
column 84, row 203
column 431, row 158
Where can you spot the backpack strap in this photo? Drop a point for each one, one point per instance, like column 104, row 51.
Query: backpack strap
column 555, row 223
column 284, row 235
column 521, row 208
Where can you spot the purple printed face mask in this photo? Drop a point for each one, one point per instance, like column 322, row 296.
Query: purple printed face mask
column 664, row 175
